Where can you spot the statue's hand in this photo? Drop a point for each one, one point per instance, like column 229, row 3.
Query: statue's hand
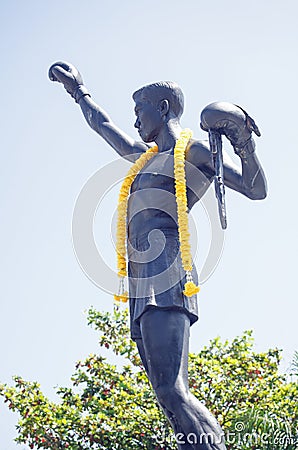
column 69, row 76
column 230, row 120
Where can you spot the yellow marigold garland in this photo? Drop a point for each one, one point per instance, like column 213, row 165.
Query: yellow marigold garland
column 122, row 295
column 181, row 200
column 190, row 288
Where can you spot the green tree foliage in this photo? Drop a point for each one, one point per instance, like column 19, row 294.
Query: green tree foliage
column 113, row 407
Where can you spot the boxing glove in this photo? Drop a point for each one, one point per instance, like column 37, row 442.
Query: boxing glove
column 70, row 77
column 233, row 122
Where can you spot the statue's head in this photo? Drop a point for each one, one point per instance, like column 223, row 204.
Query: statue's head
column 156, row 104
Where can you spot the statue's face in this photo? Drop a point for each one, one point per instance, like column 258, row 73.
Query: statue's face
column 149, row 120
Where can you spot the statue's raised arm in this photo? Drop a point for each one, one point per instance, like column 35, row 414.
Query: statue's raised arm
column 95, row 116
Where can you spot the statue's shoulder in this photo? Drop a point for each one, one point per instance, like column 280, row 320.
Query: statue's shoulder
column 198, row 152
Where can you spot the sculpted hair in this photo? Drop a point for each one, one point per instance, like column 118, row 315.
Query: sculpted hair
column 163, row 90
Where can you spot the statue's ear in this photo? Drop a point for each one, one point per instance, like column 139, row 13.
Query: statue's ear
column 164, row 107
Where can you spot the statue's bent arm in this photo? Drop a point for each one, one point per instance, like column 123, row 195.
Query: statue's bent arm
column 249, row 180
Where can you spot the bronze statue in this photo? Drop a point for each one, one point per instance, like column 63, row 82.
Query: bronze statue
column 161, row 314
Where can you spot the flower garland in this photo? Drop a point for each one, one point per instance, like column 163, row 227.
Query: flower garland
column 181, row 200
column 190, row 288
column 122, row 217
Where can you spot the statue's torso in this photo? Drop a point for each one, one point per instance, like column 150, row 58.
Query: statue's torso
column 152, row 203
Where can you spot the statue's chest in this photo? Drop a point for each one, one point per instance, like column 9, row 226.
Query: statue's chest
column 158, row 173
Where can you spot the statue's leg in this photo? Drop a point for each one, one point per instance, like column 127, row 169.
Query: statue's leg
column 165, row 335
column 171, row 418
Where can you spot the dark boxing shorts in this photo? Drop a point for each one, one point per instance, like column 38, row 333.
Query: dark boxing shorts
column 156, row 277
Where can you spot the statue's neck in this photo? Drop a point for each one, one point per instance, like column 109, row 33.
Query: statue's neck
column 168, row 135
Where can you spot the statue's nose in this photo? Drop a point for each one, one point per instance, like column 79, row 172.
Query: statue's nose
column 137, row 123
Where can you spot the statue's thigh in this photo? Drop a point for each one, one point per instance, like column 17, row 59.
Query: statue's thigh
column 165, row 336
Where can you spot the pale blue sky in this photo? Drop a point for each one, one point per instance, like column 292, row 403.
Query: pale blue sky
column 234, row 51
